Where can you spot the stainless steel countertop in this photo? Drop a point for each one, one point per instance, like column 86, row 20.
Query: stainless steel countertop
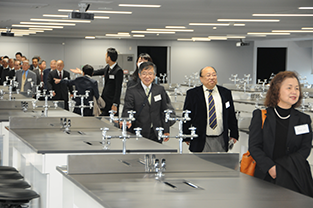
column 44, row 135
column 217, row 186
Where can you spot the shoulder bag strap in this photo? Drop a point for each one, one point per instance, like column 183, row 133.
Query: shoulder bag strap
column 263, row 116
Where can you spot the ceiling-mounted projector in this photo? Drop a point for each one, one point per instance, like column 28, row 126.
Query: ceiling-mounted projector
column 8, row 33
column 241, row 43
column 82, row 14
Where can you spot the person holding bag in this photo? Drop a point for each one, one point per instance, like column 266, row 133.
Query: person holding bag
column 281, row 148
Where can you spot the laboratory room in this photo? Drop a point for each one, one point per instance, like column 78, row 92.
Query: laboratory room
column 156, row 103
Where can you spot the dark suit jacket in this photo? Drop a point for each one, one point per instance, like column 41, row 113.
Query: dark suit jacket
column 60, row 89
column 45, row 77
column 151, row 113
column 37, row 71
column 195, row 102
column 81, row 85
column 113, row 85
column 5, row 73
column 261, row 142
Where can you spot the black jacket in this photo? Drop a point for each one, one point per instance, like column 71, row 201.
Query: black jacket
column 262, row 141
column 151, row 113
column 195, row 102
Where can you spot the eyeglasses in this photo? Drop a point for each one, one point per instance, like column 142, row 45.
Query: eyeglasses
column 147, row 74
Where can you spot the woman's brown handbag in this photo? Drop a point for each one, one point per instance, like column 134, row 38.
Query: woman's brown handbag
column 247, row 164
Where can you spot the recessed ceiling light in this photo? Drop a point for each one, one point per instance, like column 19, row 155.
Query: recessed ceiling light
column 101, row 17
column 98, row 11
column 140, row 5
column 248, row 20
column 305, row 8
column 214, row 28
column 174, row 30
column 90, row 37
column 239, row 25
column 47, row 26
column 55, row 15
column 217, row 37
column 268, row 33
column 209, row 24
column 282, row 15
column 185, row 39
column 292, row 31
column 48, row 23
column 237, row 37
column 61, row 20
column 175, row 27
column 31, row 28
column 139, row 36
column 200, row 39
column 153, row 32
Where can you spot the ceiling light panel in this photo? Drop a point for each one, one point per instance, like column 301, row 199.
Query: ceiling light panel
column 60, row 20
column 175, row 27
column 48, row 23
column 269, row 33
column 140, row 5
column 153, row 32
column 174, row 30
column 44, row 26
column 209, row 24
column 282, row 15
column 98, row 11
column 248, row 20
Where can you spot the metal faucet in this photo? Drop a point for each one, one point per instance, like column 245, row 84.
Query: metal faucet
column 46, row 96
column 234, row 78
column 124, row 121
column 180, row 135
column 159, row 168
column 24, row 105
column 81, row 106
column 65, row 124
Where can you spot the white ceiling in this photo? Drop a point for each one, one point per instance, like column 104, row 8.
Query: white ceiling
column 171, row 13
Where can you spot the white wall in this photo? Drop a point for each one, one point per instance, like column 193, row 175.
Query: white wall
column 299, row 56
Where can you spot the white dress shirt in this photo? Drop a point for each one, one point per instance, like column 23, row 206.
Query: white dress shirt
column 219, row 112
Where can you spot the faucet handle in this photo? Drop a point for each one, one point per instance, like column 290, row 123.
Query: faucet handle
column 167, row 114
column 131, row 115
column 163, row 164
column 193, row 132
column 137, row 131
column 55, row 103
column 156, row 165
column 160, row 132
column 104, row 131
column 186, row 115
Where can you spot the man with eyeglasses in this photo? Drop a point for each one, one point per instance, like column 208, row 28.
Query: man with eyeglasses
column 149, row 101
column 212, row 113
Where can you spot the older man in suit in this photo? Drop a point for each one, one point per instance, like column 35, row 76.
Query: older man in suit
column 149, row 100
column 212, row 113
column 113, row 75
column 26, row 78
column 60, row 90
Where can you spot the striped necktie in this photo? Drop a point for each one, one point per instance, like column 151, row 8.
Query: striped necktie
column 147, row 93
column 212, row 112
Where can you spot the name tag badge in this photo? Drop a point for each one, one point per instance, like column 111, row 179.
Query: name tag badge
column 302, row 129
column 227, row 105
column 66, row 78
column 29, row 79
column 157, row 98
column 111, row 76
